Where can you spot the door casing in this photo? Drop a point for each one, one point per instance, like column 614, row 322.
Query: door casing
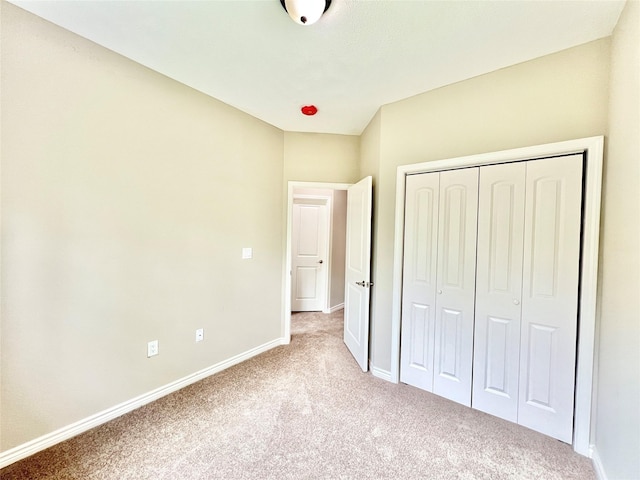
column 592, row 148
column 286, row 272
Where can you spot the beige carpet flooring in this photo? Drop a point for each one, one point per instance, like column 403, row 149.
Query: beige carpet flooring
column 305, row 411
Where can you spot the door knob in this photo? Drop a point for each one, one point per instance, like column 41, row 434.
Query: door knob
column 439, row 291
column 320, row 261
column 362, row 283
column 516, row 301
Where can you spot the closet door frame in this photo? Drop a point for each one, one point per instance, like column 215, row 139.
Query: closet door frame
column 592, row 148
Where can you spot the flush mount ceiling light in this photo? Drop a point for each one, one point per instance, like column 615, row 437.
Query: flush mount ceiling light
column 305, row 12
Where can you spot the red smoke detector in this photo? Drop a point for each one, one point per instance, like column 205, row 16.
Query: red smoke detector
column 309, row 110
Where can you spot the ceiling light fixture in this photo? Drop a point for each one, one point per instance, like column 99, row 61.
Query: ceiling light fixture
column 305, row 12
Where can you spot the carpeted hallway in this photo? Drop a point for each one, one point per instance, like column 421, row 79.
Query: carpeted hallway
column 304, row 411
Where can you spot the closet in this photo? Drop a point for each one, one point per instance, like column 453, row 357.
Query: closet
column 490, row 288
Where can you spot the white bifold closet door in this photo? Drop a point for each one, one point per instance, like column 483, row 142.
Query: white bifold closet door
column 439, row 282
column 455, row 284
column 529, row 222
column 493, row 324
column 419, row 280
column 496, row 363
column 551, row 265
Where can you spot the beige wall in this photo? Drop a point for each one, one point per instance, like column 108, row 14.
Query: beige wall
column 321, row 157
column 553, row 98
column 338, row 248
column 126, row 201
column 370, row 147
column 617, row 431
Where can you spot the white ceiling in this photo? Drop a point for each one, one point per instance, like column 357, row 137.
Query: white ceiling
column 360, row 55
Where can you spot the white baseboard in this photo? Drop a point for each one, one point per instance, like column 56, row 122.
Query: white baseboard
column 379, row 373
column 334, row 308
column 597, row 464
column 26, row 449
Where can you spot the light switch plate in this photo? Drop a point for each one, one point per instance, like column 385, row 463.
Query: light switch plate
column 152, row 348
column 247, row 252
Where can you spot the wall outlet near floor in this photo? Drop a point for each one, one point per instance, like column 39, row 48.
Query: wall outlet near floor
column 152, row 348
column 199, row 334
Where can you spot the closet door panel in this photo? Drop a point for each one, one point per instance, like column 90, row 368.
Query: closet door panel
column 419, row 280
column 457, row 221
column 499, row 289
column 550, row 295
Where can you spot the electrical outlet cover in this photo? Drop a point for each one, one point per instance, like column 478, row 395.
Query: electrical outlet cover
column 152, row 348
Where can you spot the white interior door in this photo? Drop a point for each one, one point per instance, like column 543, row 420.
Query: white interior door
column 550, row 295
column 309, row 263
column 358, row 271
column 419, row 280
column 496, row 364
column 455, row 294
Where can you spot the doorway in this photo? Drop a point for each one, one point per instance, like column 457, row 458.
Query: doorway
column 333, row 281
